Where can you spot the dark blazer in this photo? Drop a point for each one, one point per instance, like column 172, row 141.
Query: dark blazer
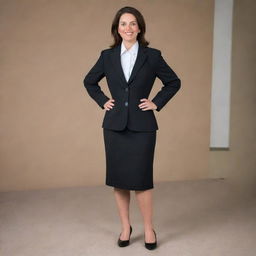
column 126, row 112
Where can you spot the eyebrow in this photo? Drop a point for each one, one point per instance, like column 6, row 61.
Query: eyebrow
column 130, row 21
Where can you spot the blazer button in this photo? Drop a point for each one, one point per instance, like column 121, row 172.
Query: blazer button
column 126, row 104
column 126, row 89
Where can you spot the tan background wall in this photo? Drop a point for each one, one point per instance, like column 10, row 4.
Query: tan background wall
column 51, row 133
column 239, row 163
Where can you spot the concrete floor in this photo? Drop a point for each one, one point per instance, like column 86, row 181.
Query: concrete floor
column 199, row 218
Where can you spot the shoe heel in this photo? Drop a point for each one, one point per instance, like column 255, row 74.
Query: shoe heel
column 151, row 246
column 123, row 243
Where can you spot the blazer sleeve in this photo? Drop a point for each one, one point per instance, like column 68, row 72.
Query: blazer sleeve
column 170, row 81
column 91, row 82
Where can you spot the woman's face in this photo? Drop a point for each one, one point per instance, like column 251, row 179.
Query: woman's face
column 128, row 27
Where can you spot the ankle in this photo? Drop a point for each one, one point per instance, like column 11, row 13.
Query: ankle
column 126, row 227
column 148, row 229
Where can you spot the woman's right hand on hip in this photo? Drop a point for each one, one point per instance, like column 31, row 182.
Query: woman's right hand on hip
column 109, row 104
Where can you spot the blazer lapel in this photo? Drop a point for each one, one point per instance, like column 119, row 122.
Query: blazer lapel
column 116, row 60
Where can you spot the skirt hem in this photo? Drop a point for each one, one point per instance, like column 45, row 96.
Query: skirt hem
column 129, row 187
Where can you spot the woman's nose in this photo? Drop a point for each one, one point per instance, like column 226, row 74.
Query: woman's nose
column 128, row 28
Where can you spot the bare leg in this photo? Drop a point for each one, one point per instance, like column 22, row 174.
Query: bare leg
column 122, row 197
column 145, row 202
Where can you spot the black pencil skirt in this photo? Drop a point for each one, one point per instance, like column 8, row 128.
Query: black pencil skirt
column 129, row 158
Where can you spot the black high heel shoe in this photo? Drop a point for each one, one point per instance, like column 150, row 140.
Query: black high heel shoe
column 151, row 246
column 123, row 243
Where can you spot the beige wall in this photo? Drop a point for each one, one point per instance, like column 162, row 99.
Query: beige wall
column 51, row 133
column 239, row 163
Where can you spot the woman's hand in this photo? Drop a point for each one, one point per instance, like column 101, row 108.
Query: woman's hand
column 109, row 104
column 147, row 105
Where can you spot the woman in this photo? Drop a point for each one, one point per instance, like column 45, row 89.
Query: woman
column 129, row 125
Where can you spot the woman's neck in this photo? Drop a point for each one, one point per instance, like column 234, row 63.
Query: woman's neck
column 128, row 44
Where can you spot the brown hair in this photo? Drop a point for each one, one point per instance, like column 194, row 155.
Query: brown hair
column 141, row 23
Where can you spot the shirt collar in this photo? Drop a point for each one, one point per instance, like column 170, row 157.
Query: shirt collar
column 132, row 50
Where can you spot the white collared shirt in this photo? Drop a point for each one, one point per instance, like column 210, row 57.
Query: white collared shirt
column 128, row 58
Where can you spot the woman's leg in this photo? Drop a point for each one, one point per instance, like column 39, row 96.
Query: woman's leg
column 123, row 201
column 145, row 202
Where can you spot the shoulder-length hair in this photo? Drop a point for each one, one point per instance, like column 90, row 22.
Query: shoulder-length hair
column 141, row 23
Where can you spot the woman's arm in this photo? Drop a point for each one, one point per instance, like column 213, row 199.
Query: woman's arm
column 91, row 82
column 170, row 81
